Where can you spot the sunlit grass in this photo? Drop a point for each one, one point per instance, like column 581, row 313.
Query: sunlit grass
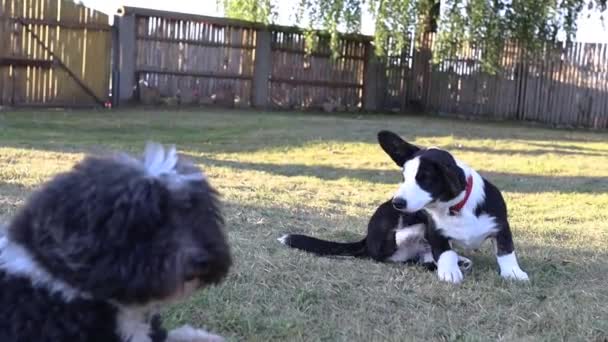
column 324, row 175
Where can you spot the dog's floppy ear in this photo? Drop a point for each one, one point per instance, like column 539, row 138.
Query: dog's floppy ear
column 398, row 149
column 453, row 179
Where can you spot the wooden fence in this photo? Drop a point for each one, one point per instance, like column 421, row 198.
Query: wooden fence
column 193, row 60
column 316, row 79
column 53, row 52
column 563, row 85
column 396, row 76
column 198, row 59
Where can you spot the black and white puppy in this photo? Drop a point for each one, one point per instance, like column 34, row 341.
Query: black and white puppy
column 96, row 252
column 392, row 236
column 465, row 208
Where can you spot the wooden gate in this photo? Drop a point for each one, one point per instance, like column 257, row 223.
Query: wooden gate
column 53, row 53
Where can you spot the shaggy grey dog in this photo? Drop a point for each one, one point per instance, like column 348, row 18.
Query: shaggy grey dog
column 99, row 250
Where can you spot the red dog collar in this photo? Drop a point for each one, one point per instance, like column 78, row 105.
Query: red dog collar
column 455, row 209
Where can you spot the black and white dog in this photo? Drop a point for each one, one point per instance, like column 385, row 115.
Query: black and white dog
column 440, row 201
column 96, row 252
column 465, row 208
column 392, row 236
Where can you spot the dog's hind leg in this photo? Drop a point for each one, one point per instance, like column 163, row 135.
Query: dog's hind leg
column 464, row 263
column 427, row 261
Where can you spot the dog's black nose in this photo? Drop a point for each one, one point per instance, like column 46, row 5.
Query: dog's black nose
column 399, row 203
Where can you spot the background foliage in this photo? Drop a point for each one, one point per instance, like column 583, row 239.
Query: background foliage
column 485, row 24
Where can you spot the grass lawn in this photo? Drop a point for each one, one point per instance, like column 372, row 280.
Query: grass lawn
column 324, row 175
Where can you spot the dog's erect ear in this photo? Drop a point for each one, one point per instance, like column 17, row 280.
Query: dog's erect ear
column 398, row 149
column 453, row 179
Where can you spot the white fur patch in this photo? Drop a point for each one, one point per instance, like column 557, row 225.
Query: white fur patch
column 447, row 267
column 413, row 232
column 188, row 334
column 15, row 260
column 409, row 190
column 509, row 268
column 466, row 230
column 132, row 325
column 407, row 252
column 427, row 257
column 409, row 241
column 157, row 161
column 283, row 239
column 161, row 163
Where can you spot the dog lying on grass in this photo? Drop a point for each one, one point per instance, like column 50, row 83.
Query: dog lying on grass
column 440, row 202
column 99, row 250
column 392, row 236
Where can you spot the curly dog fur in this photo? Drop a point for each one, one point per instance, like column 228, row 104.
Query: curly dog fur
column 97, row 251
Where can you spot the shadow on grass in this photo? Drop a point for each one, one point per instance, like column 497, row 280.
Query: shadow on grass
column 568, row 147
column 513, row 182
column 237, row 131
column 295, row 170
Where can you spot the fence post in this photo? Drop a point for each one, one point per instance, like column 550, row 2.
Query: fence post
column 374, row 82
column 126, row 56
column 115, row 86
column 262, row 68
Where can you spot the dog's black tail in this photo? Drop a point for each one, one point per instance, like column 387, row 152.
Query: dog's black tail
column 324, row 247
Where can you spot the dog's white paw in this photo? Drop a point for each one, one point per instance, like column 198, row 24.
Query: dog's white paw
column 509, row 267
column 453, row 275
column 283, row 239
column 447, row 267
column 515, row 273
column 189, row 334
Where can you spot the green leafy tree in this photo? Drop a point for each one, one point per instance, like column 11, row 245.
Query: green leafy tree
column 484, row 24
column 253, row 10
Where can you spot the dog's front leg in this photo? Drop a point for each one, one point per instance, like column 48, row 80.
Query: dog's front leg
column 447, row 260
column 187, row 333
column 505, row 255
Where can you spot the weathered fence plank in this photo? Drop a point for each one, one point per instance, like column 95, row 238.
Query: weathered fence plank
column 188, row 59
column 315, row 79
column 563, row 85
